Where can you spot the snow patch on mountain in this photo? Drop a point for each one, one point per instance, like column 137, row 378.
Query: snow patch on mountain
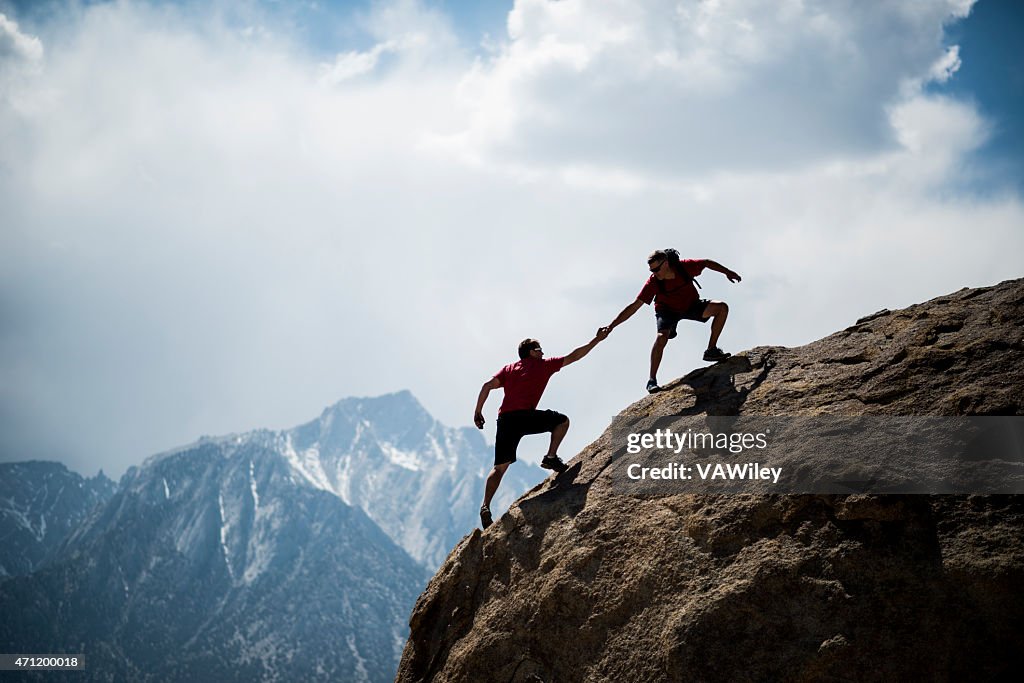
column 253, row 489
column 409, row 460
column 224, row 534
column 307, row 463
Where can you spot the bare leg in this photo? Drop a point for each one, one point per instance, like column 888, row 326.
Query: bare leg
column 557, row 434
column 656, row 352
column 719, row 311
column 493, row 479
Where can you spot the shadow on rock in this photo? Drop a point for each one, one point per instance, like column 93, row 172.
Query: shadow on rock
column 563, row 498
column 715, row 387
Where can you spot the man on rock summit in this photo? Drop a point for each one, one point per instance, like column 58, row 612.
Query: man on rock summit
column 524, row 382
column 671, row 288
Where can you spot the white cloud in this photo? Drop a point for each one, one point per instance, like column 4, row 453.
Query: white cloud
column 937, row 134
column 206, row 230
column 17, row 46
column 417, row 36
column 349, row 65
column 20, row 57
column 687, row 88
column 947, row 65
column 411, row 24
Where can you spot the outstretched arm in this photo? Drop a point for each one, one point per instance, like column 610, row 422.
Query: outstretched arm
column 576, row 354
column 715, row 265
column 485, row 390
column 624, row 315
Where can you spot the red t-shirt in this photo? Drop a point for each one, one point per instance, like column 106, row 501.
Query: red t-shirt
column 524, row 381
column 676, row 294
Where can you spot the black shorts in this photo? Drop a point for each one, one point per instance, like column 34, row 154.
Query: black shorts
column 667, row 320
column 515, row 424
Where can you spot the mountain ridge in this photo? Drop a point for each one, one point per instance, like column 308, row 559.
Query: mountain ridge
column 418, row 479
column 217, row 551
column 221, row 562
column 41, row 502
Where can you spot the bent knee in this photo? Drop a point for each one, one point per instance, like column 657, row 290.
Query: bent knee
column 564, row 423
column 717, row 308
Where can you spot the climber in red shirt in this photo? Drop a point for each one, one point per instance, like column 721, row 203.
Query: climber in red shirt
column 671, row 288
column 524, row 381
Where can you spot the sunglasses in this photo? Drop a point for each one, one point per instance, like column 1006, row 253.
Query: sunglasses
column 656, row 268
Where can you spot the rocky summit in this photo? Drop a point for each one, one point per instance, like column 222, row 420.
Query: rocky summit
column 579, row 582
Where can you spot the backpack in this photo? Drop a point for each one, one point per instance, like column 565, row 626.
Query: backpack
column 673, row 260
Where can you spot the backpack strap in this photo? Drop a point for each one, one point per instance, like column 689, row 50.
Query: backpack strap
column 680, row 271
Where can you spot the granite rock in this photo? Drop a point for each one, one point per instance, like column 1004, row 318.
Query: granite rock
column 580, row 583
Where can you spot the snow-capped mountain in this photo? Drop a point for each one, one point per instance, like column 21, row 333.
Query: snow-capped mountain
column 420, row 481
column 220, row 562
column 271, row 555
column 40, row 504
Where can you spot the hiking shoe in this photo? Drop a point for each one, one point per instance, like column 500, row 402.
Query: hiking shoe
column 485, row 516
column 715, row 353
column 652, row 386
column 554, row 463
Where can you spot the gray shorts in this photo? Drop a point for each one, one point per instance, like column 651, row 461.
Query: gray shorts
column 667, row 320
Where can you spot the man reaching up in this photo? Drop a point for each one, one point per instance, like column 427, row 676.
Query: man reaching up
column 524, row 382
column 671, row 288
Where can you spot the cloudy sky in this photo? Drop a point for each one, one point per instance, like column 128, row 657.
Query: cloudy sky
column 222, row 216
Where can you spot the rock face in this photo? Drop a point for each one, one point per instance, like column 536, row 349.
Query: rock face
column 580, row 583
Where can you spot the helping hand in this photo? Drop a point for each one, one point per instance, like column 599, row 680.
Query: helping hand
column 733, row 276
column 602, row 333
